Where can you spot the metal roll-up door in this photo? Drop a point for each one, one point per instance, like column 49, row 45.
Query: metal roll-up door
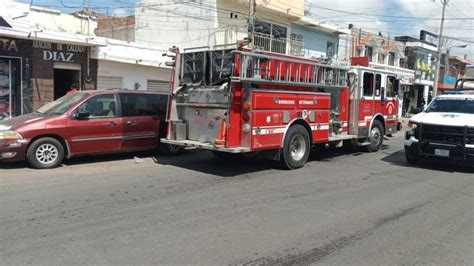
column 157, row 85
column 104, row 83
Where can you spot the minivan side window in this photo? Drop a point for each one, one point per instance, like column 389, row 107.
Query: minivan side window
column 100, row 106
column 134, row 104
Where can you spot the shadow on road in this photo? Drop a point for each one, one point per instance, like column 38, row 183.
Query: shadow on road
column 12, row 166
column 89, row 159
column 398, row 158
column 206, row 162
column 330, row 154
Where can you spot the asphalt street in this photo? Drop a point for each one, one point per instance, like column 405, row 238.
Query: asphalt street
column 342, row 208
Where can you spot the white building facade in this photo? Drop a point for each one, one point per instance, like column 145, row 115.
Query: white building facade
column 124, row 65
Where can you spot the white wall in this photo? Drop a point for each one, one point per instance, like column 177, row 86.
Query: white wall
column 133, row 73
column 124, row 33
column 160, row 22
column 39, row 18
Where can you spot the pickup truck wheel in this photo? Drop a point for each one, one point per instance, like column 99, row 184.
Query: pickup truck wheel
column 170, row 149
column 376, row 135
column 296, row 148
column 411, row 157
column 45, row 153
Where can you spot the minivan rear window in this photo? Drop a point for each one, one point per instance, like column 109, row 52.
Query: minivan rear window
column 134, row 104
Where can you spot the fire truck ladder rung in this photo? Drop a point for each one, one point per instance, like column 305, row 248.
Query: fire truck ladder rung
column 290, row 71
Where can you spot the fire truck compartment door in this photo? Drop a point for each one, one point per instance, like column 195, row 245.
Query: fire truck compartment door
column 204, row 123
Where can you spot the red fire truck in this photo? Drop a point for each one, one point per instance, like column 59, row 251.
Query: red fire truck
column 239, row 100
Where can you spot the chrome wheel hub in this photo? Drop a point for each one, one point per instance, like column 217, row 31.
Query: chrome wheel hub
column 46, row 153
column 297, row 148
column 375, row 136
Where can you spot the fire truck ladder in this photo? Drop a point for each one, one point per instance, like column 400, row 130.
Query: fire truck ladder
column 263, row 68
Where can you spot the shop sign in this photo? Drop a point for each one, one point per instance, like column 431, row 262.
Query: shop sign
column 429, row 37
column 58, row 56
column 8, row 45
column 62, row 53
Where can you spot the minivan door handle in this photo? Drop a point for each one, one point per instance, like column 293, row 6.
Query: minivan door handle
column 131, row 123
column 111, row 124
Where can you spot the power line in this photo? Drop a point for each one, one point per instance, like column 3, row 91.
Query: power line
column 388, row 16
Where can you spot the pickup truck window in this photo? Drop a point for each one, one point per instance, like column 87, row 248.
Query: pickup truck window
column 457, row 105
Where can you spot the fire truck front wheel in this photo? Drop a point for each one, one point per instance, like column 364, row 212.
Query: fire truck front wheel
column 376, row 135
column 296, row 148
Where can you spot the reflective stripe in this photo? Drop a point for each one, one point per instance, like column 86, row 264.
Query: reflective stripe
column 267, row 131
column 321, row 127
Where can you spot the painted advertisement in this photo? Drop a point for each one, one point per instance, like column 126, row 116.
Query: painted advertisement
column 425, row 65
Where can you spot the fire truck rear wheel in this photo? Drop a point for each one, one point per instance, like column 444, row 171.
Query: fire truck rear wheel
column 296, row 148
column 376, row 135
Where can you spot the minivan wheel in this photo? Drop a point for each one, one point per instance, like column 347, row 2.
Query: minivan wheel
column 170, row 149
column 296, row 148
column 45, row 153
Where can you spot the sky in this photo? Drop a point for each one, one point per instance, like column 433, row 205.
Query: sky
column 390, row 17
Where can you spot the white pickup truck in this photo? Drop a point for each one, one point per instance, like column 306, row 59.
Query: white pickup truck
column 445, row 129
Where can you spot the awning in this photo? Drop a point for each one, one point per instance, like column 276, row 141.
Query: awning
column 4, row 23
column 22, row 22
column 131, row 53
column 52, row 36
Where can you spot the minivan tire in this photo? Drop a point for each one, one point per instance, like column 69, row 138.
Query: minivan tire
column 45, row 153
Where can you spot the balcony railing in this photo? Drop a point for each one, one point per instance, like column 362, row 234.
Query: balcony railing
column 261, row 41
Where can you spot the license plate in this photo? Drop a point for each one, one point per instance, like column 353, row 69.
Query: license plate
column 442, row 153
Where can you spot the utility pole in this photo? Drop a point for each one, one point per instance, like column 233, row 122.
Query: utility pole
column 251, row 20
column 440, row 43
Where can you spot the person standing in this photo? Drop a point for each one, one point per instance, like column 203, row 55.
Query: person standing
column 73, row 89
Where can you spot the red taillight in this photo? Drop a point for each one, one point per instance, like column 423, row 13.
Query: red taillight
column 246, row 106
column 246, row 117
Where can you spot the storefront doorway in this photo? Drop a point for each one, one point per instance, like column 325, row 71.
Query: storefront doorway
column 10, row 87
column 65, row 79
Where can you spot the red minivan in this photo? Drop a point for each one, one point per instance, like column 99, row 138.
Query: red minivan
column 84, row 123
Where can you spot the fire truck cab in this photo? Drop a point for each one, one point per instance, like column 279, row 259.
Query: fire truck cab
column 238, row 100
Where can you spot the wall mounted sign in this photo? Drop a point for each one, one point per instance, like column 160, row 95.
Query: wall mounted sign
column 429, row 37
column 59, row 52
column 8, row 45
